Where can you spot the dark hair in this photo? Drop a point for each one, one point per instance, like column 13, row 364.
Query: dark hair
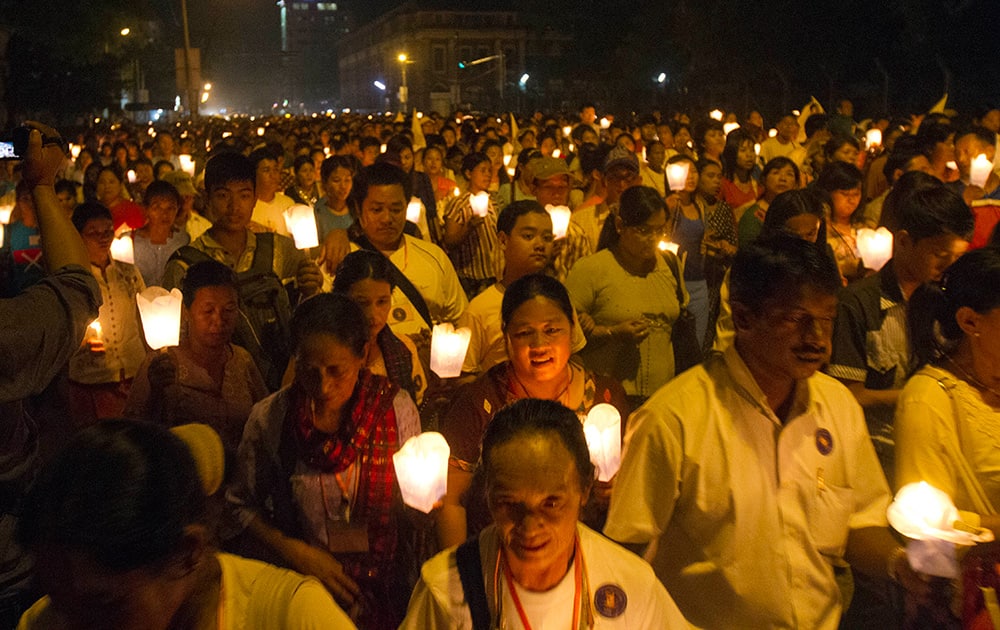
column 88, row 211
column 982, row 134
column 592, row 157
column 162, row 188
column 227, row 167
column 931, row 134
column 259, row 155
column 332, row 314
column 472, row 160
column 735, row 139
column 770, row 267
column 379, row 174
column 301, row 161
column 368, row 141
column 66, row 186
column 362, row 265
column 532, row 286
column 790, row 204
column 207, row 273
column 900, row 157
column 816, row 122
column 114, row 169
column 334, row 162
column 509, row 215
column 907, row 184
column 636, row 206
column 701, row 128
column 934, row 211
column 531, row 416
column 161, row 165
column 837, row 141
column 973, row 281
column 779, row 163
column 122, row 492
column 838, row 175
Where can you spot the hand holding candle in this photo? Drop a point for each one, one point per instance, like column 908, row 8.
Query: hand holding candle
column 480, row 203
column 677, row 175
column 448, row 348
column 603, row 428
column 422, row 470
column 873, row 138
column 301, row 222
column 160, row 313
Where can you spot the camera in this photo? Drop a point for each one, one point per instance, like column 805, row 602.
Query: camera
column 14, row 145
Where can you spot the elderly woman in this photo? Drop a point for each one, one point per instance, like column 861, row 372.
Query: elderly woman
column 117, row 523
column 630, row 296
column 316, row 485
column 537, row 566
column 537, row 320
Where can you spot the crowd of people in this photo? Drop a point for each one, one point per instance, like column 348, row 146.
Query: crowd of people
column 705, row 277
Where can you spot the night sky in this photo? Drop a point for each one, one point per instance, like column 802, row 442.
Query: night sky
column 745, row 54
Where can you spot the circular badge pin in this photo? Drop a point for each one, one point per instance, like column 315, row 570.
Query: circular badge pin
column 610, row 600
column 399, row 314
column 824, row 441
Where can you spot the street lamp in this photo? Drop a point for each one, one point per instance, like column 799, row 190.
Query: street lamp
column 192, row 91
column 403, row 90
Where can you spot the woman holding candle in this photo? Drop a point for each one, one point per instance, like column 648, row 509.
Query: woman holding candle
column 842, row 182
column 537, row 319
column 101, row 371
column 111, row 192
column 305, row 189
column 366, row 278
column 316, row 485
column 538, row 566
column 154, row 242
column 779, row 175
column 739, row 184
column 470, row 232
column 687, row 208
column 719, row 244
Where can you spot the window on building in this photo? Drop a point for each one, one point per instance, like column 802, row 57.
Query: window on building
column 438, row 58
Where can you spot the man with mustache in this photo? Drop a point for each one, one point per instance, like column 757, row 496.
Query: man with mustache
column 747, row 479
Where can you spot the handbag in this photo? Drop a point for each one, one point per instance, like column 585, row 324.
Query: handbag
column 684, row 334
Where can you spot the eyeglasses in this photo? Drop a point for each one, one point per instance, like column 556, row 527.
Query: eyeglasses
column 646, row 231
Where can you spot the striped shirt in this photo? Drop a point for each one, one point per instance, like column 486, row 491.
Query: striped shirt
column 473, row 258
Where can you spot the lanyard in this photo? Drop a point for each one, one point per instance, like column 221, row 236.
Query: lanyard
column 581, row 584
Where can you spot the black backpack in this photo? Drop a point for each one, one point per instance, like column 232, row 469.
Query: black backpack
column 265, row 310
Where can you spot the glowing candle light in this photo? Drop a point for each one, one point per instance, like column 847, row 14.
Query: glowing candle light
column 511, row 171
column 480, row 203
column 979, row 170
column 187, row 163
column 873, row 138
column 560, row 220
column 131, row 176
column 557, row 153
column 301, row 222
column 506, row 159
column 422, row 470
column 123, row 250
column 756, row 148
column 457, row 192
column 448, row 348
column 603, row 430
column 668, row 246
column 875, row 247
column 715, row 114
column 160, row 313
column 677, row 175
column 730, row 127
column 772, row 132
column 414, row 210
column 74, row 149
column 260, row 131
column 951, row 165
column 567, row 130
column 605, row 123
column 5, row 211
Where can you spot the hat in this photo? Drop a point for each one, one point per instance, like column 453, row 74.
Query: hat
column 546, row 167
column 620, row 157
column 181, row 181
column 207, row 451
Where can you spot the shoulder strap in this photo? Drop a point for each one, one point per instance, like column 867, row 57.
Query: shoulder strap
column 402, row 282
column 470, row 572
column 980, row 499
column 190, row 255
column 671, row 261
column 263, row 257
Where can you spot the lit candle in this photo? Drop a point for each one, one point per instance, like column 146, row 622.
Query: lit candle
column 603, row 430
column 560, row 220
column 457, row 192
column 952, row 165
column 480, row 203
column 122, row 249
column 187, row 163
column 94, row 332
column 131, row 176
column 715, row 114
column 873, row 138
column 772, row 132
column 875, row 247
column 74, row 150
column 383, row 148
column 557, row 153
column 506, row 159
column 260, row 131
column 5, row 212
column 422, row 470
column 605, row 123
column 730, row 127
column 448, row 348
column 511, row 171
column 160, row 313
column 414, row 210
column 668, row 246
column 756, row 148
column 979, row 170
column 301, row 222
column 567, row 130
column 677, row 175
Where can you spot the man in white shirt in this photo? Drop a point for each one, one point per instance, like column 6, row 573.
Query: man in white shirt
column 783, row 144
column 268, row 212
column 752, row 475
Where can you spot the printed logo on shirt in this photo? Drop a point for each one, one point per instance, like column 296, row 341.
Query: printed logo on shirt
column 610, row 600
column 824, row 441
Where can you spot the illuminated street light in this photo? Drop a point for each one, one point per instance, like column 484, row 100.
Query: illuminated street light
column 403, row 89
column 661, row 78
column 379, row 85
column 208, row 87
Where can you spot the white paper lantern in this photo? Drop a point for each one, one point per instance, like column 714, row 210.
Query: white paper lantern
column 187, row 163
column 123, row 250
column 74, row 150
column 414, row 210
column 567, row 130
column 875, row 247
column 677, row 175
column 715, row 114
column 603, row 429
column 131, row 176
column 979, row 170
column 730, row 127
column 301, row 222
column 422, row 470
column 873, row 138
column 5, row 211
column 160, row 313
column 448, row 348
column 668, row 246
column 480, row 203
column 560, row 219
column 605, row 123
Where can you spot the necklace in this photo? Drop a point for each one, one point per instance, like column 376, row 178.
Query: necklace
column 557, row 398
column 972, row 380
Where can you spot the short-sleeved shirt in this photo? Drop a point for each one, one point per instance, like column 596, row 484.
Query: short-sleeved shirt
column 285, row 264
column 327, row 221
column 748, row 514
column 151, row 258
column 270, row 214
column 473, row 257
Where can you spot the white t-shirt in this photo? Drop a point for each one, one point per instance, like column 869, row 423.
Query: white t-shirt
column 547, row 609
column 270, row 214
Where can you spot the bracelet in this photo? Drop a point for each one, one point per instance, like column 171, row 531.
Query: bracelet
column 890, row 567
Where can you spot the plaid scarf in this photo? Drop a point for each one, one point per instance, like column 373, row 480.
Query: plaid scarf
column 398, row 360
